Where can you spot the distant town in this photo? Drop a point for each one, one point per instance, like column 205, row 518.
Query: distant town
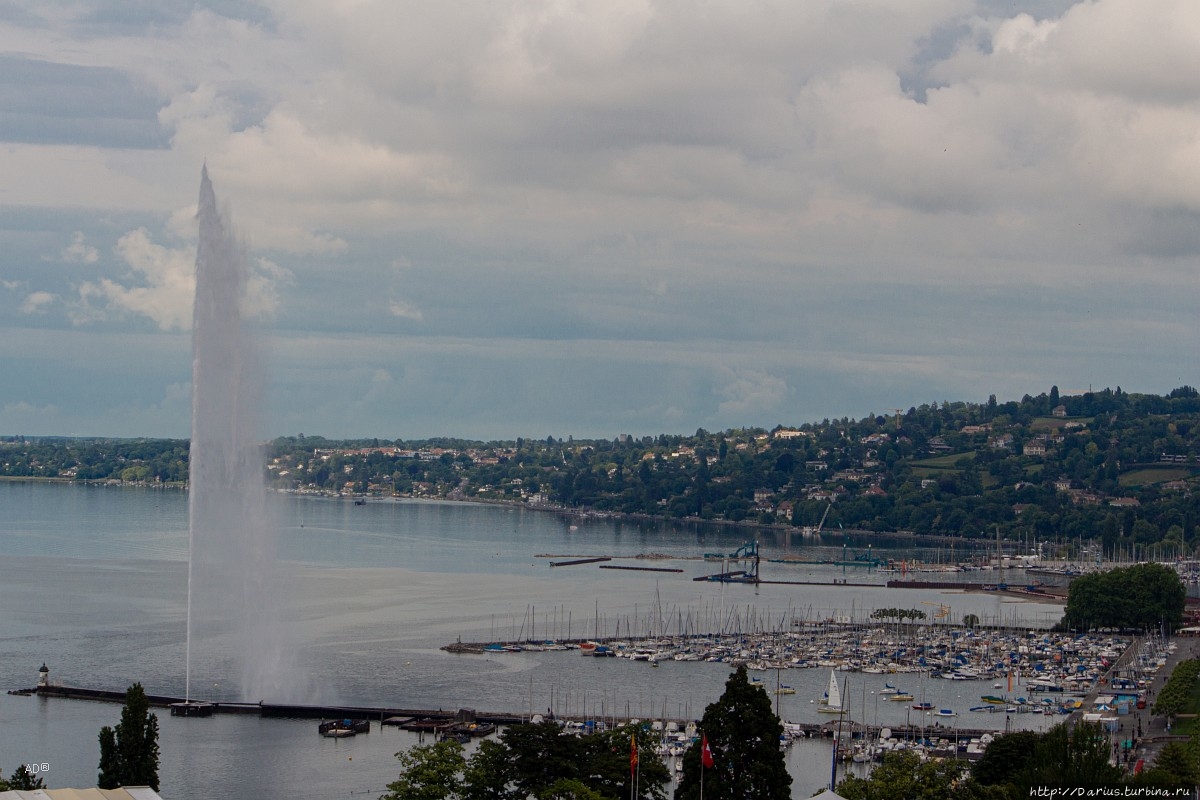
column 1107, row 469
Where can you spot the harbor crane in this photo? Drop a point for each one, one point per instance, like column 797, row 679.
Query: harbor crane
column 942, row 612
column 808, row 530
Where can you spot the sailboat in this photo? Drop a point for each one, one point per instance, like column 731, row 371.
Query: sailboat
column 832, row 704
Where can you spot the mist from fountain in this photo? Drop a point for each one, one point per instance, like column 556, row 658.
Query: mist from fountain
column 234, row 636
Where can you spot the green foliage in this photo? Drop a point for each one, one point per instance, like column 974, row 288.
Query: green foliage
column 1142, row 597
column 489, row 774
column 1174, row 767
column 541, row 756
column 531, row 761
column 22, row 780
column 129, row 753
column 1007, row 755
column 1057, row 758
column 902, row 776
column 1180, row 687
column 743, row 736
column 567, row 789
column 901, row 614
column 428, row 772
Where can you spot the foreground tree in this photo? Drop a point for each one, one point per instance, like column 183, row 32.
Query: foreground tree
column 22, row 779
column 533, row 761
column 902, row 776
column 1057, row 758
column 1173, row 768
column 742, row 734
column 129, row 754
column 428, row 772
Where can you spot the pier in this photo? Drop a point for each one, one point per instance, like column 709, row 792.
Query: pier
column 381, row 714
column 430, row 720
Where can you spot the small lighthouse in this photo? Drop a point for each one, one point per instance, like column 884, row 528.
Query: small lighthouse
column 43, row 676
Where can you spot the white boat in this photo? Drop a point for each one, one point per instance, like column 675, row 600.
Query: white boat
column 832, row 704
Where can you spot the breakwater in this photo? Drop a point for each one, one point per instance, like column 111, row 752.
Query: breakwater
column 435, row 719
column 374, row 713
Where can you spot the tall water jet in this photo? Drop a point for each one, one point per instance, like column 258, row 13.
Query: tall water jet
column 233, row 632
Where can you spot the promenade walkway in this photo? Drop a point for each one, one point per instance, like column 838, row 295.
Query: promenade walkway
column 1151, row 729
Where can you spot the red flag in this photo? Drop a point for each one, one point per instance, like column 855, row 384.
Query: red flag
column 632, row 754
column 706, row 758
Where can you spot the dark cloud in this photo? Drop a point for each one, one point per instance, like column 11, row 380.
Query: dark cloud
column 102, row 18
column 49, row 103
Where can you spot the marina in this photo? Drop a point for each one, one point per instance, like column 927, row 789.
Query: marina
column 363, row 593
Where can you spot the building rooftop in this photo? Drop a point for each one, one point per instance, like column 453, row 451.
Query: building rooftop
column 124, row 793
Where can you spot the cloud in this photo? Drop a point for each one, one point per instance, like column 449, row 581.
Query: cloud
column 261, row 299
column 400, row 308
column 164, row 291
column 749, row 392
column 22, row 416
column 38, row 303
column 79, row 252
column 692, row 200
column 161, row 286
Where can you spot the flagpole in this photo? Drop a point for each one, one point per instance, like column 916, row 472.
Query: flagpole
column 638, row 780
column 837, row 741
column 634, row 765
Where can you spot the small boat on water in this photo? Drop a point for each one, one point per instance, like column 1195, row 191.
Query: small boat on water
column 785, row 689
column 922, row 706
column 946, row 712
column 993, row 699
column 900, row 697
column 342, row 728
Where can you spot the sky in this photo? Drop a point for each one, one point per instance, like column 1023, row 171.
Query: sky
column 500, row 218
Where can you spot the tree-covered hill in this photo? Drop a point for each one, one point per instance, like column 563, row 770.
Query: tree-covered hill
column 1107, row 465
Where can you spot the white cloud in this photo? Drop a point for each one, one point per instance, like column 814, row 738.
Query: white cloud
column 161, row 286
column 165, row 284
column 79, row 252
column 38, row 303
column 261, row 298
column 404, row 310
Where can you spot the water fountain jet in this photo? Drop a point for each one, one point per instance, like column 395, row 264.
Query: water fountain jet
column 231, row 552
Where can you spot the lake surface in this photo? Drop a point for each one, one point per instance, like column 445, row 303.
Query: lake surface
column 93, row 582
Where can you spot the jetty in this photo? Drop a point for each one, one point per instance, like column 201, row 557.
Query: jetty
column 411, row 718
column 440, row 720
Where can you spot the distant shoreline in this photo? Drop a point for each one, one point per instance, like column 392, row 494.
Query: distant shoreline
column 917, row 539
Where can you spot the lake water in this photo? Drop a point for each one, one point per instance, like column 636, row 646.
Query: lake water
column 93, row 582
